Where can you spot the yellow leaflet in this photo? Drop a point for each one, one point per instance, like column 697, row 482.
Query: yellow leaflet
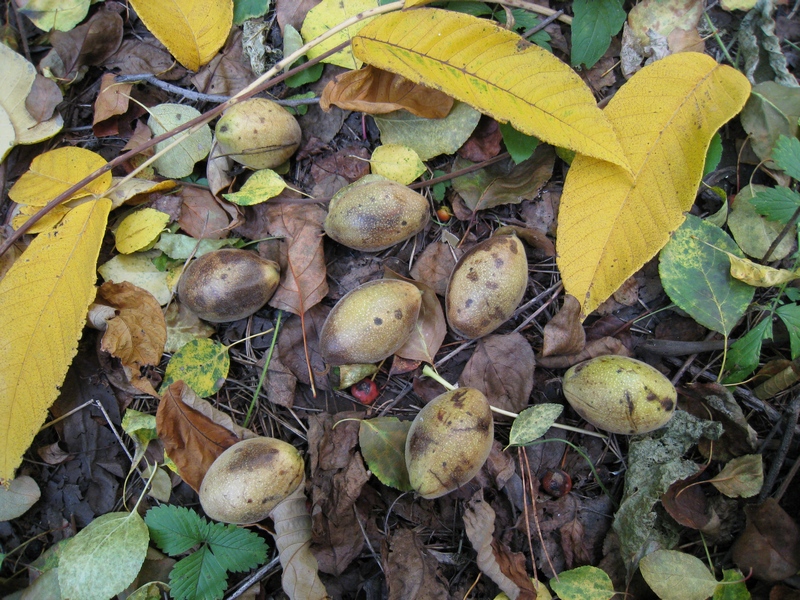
column 758, row 275
column 55, row 172
column 396, row 162
column 260, row 187
column 43, row 303
column 328, row 14
column 140, row 229
column 192, row 30
column 494, row 70
column 665, row 115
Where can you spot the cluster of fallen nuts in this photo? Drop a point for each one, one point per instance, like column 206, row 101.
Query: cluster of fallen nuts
column 451, row 437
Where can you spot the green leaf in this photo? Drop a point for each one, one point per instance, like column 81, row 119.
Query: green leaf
column 728, row 590
column 175, row 529
column 180, row 247
column 383, row 446
column 776, row 204
column 524, row 20
column 771, row 111
column 292, row 42
column 714, row 154
column 744, row 353
column 199, row 576
column 249, row 9
column 583, row 583
column 519, row 145
column 203, row 364
column 178, row 161
column 236, row 549
column 786, row 155
column 754, row 233
column 697, row 277
column 532, row 423
column 142, row 429
column 595, row 23
column 674, row 575
column 742, row 477
column 790, row 315
column 104, row 558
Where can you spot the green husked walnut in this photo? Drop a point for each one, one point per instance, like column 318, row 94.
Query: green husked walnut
column 448, row 442
column 486, row 286
column 228, row 285
column 247, row 481
column 375, row 213
column 258, row 133
column 370, row 323
column 620, row 394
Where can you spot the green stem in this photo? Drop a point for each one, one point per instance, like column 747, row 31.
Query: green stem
column 263, row 375
column 715, row 32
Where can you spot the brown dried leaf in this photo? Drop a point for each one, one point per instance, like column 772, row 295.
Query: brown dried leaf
column 145, row 55
column 203, row 216
column 374, row 91
column 484, row 143
column 564, row 333
column 505, row 568
column 293, row 12
column 601, row 347
column 770, row 543
column 573, row 543
column 303, row 282
column 502, row 368
column 292, row 349
column 280, row 383
column 43, row 98
column 228, row 72
column 112, row 100
column 89, row 44
column 431, row 328
column 192, row 438
column 53, row 454
column 410, row 571
column 137, row 334
column 334, row 171
column 434, row 266
column 687, row 503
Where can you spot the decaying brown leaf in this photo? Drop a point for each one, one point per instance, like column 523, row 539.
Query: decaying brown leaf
column 228, row 72
column 484, row 143
column 138, row 332
column 112, row 100
column 410, row 571
column 502, row 368
column 334, row 171
column 292, row 346
column 431, row 327
column 687, row 503
column 770, row 543
column 203, row 216
column 573, row 543
column 434, row 265
column 89, row 44
column 145, row 55
column 564, row 333
column 43, row 98
column 599, row 347
column 192, row 432
column 376, row 92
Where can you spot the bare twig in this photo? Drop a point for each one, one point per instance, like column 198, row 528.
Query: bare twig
column 792, row 415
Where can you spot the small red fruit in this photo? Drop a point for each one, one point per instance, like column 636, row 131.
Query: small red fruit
column 365, row 391
column 444, row 213
column 557, row 483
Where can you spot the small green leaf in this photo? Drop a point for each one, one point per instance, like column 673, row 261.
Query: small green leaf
column 714, row 154
column 742, row 477
column 532, row 423
column 595, row 23
column 728, row 590
column 249, row 9
column 583, row 583
column 260, row 187
column 754, row 233
column 697, row 278
column 786, row 155
column 776, row 204
column 179, row 161
column 674, row 575
column 142, row 429
column 175, row 529
column 203, row 364
column 292, row 42
column 519, row 145
column 199, row 576
column 236, row 549
column 744, row 353
column 383, row 446
column 790, row 315
column 104, row 558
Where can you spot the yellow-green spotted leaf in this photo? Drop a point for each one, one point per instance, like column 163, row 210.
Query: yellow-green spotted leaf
column 260, row 187
column 383, row 445
column 583, row 583
column 396, row 162
column 179, row 161
column 140, row 229
column 203, row 364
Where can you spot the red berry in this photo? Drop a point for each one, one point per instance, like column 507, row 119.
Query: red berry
column 444, row 213
column 557, row 483
column 365, row 391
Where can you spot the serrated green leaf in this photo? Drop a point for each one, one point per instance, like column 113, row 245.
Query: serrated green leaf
column 594, row 24
column 728, row 590
column 104, row 558
column 519, row 145
column 744, row 353
column 583, row 583
column 175, row 529
column 532, row 423
column 675, row 575
column 776, row 204
column 199, row 576
column 742, row 477
column 236, row 549
column 203, row 364
column 786, row 155
column 790, row 315
column 695, row 273
column 383, row 444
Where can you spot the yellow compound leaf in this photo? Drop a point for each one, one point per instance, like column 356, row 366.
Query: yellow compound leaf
column 140, row 229
column 55, row 172
column 328, row 14
column 43, row 302
column 192, row 30
column 494, row 70
column 609, row 225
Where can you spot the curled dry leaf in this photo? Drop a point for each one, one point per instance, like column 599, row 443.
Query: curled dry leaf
column 484, row 143
column 434, row 265
column 375, row 91
column 112, row 100
column 564, row 333
column 502, row 368
column 410, row 571
column 204, row 216
column 600, row 347
column 770, row 543
column 193, row 432
column 292, row 347
column 431, row 328
column 90, row 44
